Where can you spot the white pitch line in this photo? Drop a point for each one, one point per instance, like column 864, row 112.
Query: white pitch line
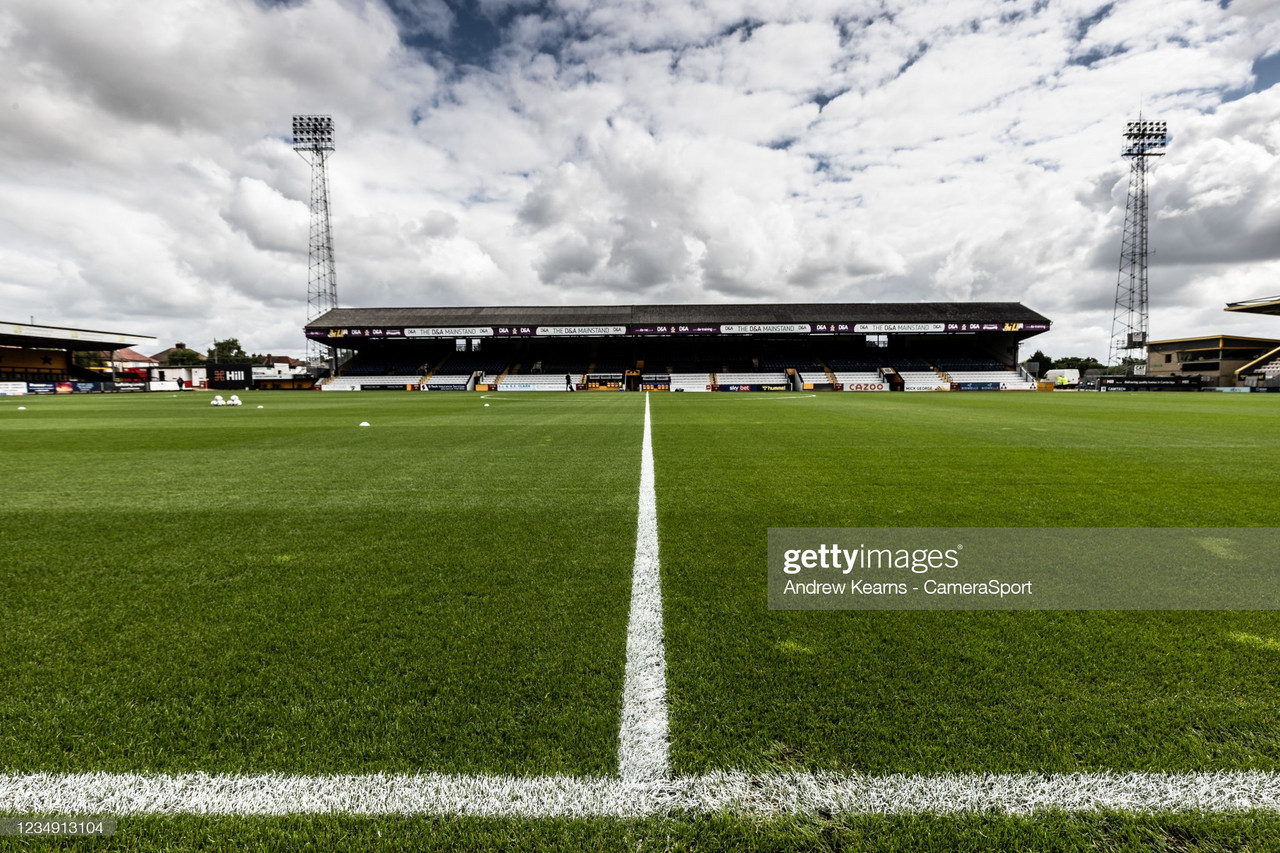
column 562, row 796
column 642, row 749
column 762, row 396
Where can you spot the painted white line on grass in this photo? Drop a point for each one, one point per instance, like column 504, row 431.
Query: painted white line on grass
column 642, row 749
column 559, row 796
column 758, row 395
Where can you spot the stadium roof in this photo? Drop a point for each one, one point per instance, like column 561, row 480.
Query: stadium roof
column 1219, row 341
column 1265, row 305
column 648, row 315
column 58, row 337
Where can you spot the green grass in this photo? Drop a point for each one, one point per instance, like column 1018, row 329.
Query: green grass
column 245, row 590
column 960, row 691
column 192, row 588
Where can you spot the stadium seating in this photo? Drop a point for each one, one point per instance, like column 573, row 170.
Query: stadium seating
column 921, row 380
column 468, row 364
column 365, row 366
column 850, row 379
column 690, row 382
column 762, row 378
column 449, row 379
column 576, row 368
column 857, row 365
column 781, row 357
column 347, row 383
column 968, row 364
column 1008, row 379
column 1271, row 368
column 535, row 382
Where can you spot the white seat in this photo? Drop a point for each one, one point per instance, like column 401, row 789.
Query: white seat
column 921, row 380
column 690, row 382
column 1011, row 380
column 861, row 380
column 752, row 378
column 353, row 383
column 536, row 382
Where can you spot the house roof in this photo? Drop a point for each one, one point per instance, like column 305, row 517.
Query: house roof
column 163, row 356
column 127, row 354
column 283, row 359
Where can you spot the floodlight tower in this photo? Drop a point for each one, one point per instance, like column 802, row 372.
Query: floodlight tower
column 1129, row 322
column 313, row 140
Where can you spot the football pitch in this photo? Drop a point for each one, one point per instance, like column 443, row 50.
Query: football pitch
column 273, row 626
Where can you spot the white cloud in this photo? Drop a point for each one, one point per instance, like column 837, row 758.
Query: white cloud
column 642, row 151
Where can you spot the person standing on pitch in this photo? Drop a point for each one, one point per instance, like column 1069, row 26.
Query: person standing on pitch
column 568, row 382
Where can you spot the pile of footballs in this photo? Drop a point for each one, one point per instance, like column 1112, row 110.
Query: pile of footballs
column 218, row 401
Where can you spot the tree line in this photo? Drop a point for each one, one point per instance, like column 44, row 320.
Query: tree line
column 1080, row 363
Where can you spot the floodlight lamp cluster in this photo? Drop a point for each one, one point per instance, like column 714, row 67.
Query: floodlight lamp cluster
column 1145, row 138
column 313, row 133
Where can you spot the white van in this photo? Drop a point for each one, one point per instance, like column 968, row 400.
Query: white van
column 1071, row 375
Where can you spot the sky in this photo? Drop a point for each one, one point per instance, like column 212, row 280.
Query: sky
column 524, row 152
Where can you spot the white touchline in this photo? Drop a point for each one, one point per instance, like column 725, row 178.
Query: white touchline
column 564, row 796
column 642, row 748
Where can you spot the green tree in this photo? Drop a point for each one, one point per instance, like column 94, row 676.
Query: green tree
column 1080, row 363
column 1043, row 360
column 224, row 352
column 85, row 358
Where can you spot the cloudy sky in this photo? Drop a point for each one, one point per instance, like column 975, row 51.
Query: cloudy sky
column 632, row 151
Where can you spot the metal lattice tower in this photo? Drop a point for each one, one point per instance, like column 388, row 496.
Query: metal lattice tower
column 1129, row 322
column 313, row 140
